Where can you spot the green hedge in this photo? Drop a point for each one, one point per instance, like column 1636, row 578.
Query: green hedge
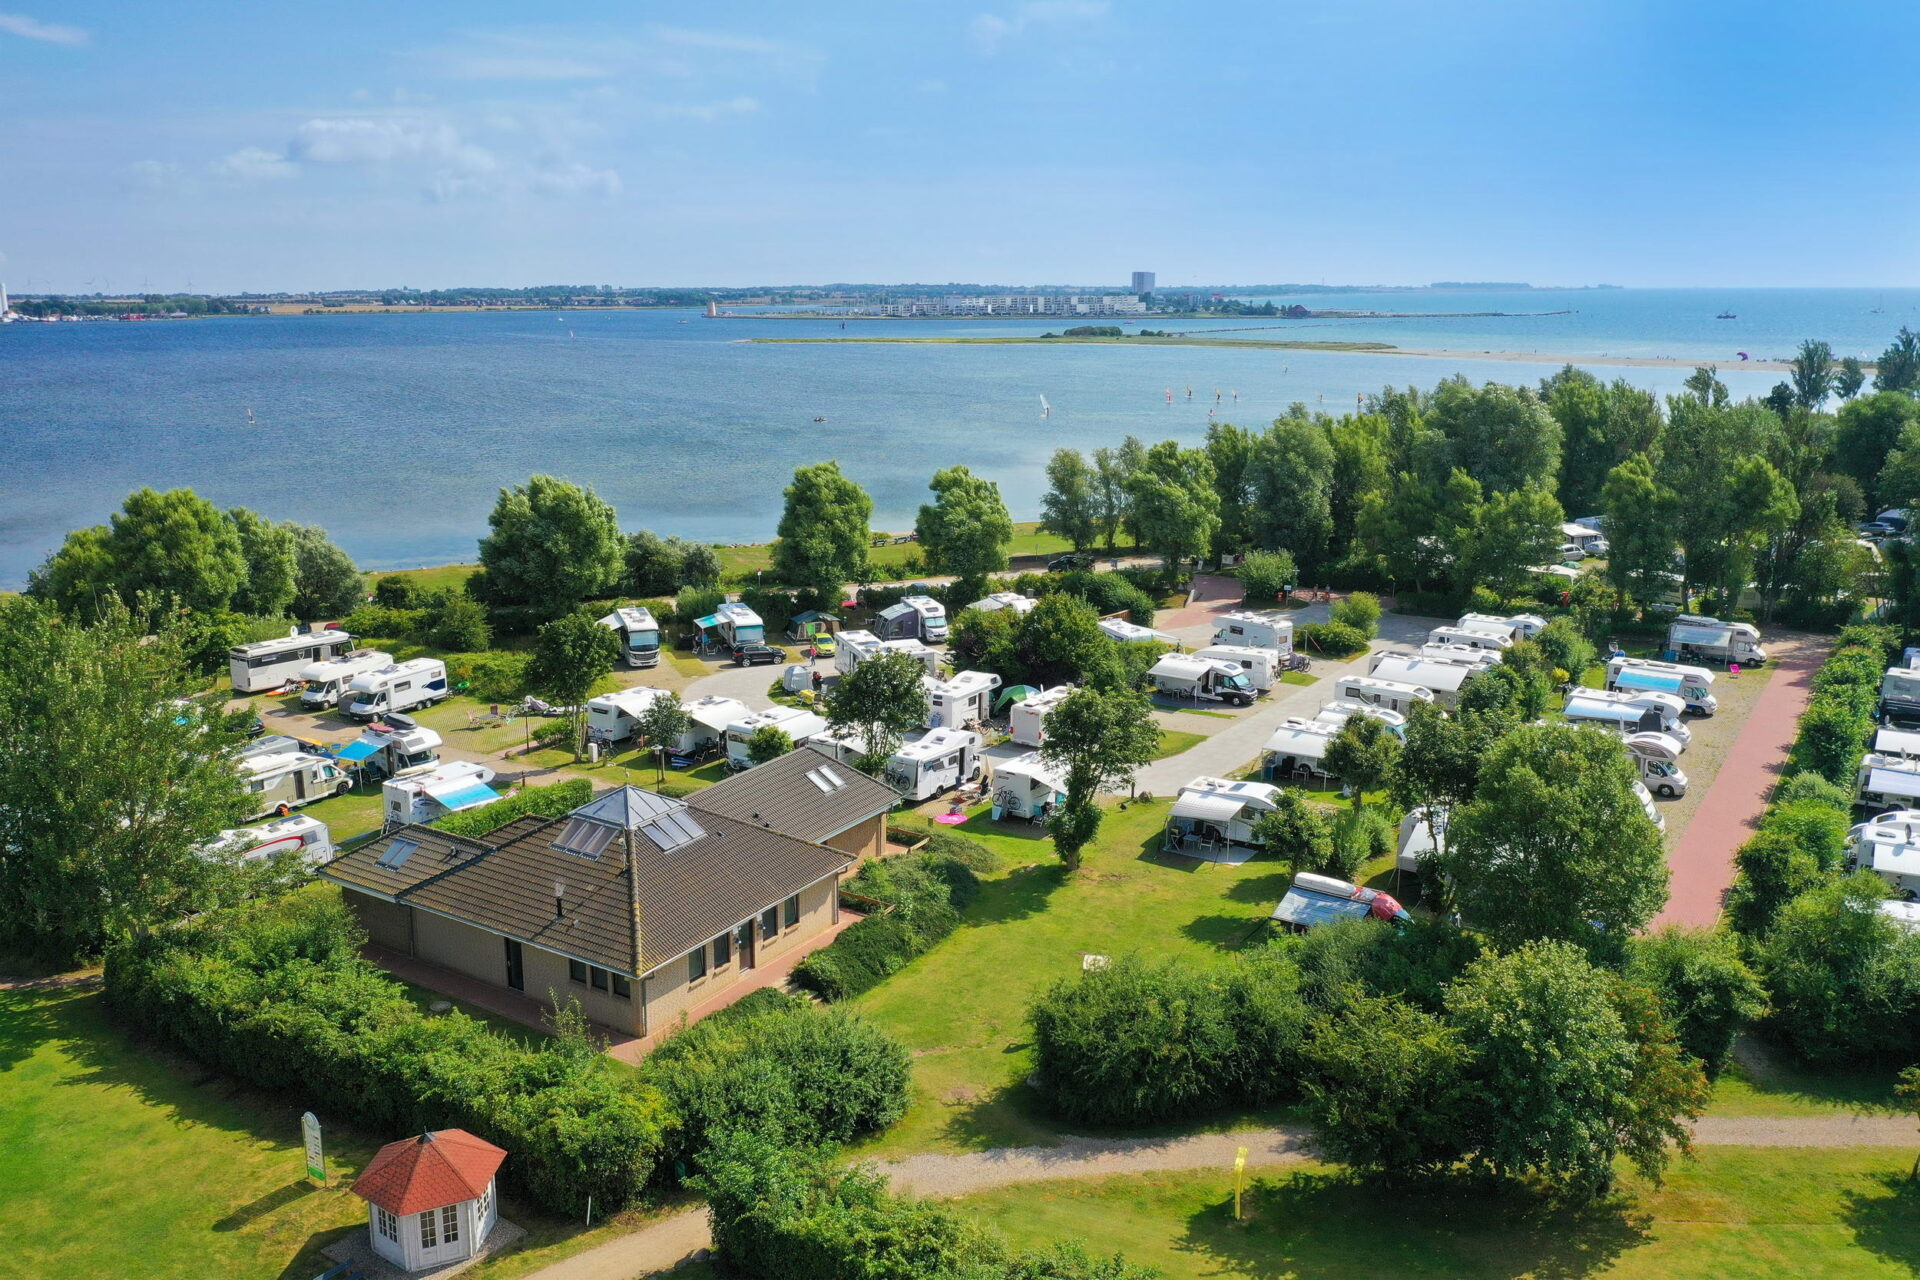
column 927, row 888
column 1330, row 639
column 547, row 802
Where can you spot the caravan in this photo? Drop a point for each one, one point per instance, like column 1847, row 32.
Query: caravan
column 1478, row 659
column 1887, row 782
column 1692, row 685
column 1515, row 626
column 299, row 833
column 1133, row 633
column 1027, row 720
column 1297, row 750
column 799, row 726
column 1466, row 638
column 270, row 664
column 1335, row 714
column 284, row 780
column 731, row 626
column 1372, row 691
column 417, row 682
column 1027, row 787
column 1694, row 636
column 964, row 699
column 1252, row 630
column 325, row 682
column 913, row 618
column 1262, row 667
column 639, row 635
column 427, row 794
column 1180, row 675
column 855, row 647
column 1441, row 679
column 391, row 747
column 1900, row 694
column 1889, row 846
column 707, row 721
column 1213, row 814
column 1423, row 835
column 940, row 760
column 615, row 717
column 1661, row 712
column 1013, row 600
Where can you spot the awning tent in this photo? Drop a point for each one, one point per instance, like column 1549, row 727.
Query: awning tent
column 1205, row 808
column 711, row 620
column 1701, row 637
column 462, row 793
column 356, row 752
column 1647, row 681
column 1893, row 782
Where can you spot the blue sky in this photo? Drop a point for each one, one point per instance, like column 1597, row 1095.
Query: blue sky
column 225, row 146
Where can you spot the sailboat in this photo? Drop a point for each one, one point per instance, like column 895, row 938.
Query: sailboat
column 1726, row 315
column 250, row 421
column 1046, row 410
column 1880, row 307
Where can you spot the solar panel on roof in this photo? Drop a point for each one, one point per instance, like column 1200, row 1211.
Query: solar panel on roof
column 397, row 854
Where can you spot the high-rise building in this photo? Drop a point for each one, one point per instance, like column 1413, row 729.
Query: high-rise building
column 1142, row 282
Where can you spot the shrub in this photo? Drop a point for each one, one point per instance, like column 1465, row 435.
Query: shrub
column 1359, row 836
column 1807, row 787
column 1359, row 610
column 1773, row 870
column 396, row 591
column 547, row 802
column 1108, row 593
column 490, row 677
column 372, row 621
column 1706, row 986
column 1330, row 639
column 970, row 854
column 1415, row 961
column 926, row 889
column 1843, row 978
column 1264, row 575
column 459, row 625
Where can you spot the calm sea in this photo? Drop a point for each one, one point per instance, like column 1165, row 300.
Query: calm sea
column 395, row 432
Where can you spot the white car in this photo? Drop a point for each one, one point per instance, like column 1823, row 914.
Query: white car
column 1571, row 553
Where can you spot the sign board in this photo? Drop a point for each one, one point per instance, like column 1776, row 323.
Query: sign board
column 1239, row 1179
column 310, row 1137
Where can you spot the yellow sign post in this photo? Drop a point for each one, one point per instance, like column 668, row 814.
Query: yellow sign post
column 1239, row 1180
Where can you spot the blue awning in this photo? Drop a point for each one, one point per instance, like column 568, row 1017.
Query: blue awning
column 711, row 620
column 356, row 751
column 467, row 795
column 1651, row 681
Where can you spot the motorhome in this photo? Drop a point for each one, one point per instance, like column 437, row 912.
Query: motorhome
column 1026, row 787
column 1887, row 782
column 1316, row 900
column 1900, row 694
column 417, row 682
column 844, row 744
column 1515, row 626
column 1441, row 679
column 282, row 782
column 1656, row 759
column 962, row 699
column 1373, row 691
column 1262, row 667
column 1645, row 797
column 1297, row 750
column 707, row 721
column 1012, row 600
column 730, row 626
column 639, row 635
column 1591, row 708
column 271, row 664
column 939, row 760
column 615, row 717
column 798, row 725
column 1133, row 633
column 1423, row 835
column 855, row 647
column 323, row 683
column 1465, row 638
column 1666, row 708
column 299, row 833
column 931, row 659
column 1213, row 814
column 426, row 794
column 1694, row 636
column 1335, row 714
column 274, row 744
column 1256, row 631
column 1889, row 846
column 1180, row 675
column 913, row 618
column 1466, row 655
column 1027, row 720
column 1692, row 685
column 1897, row 742
column 390, row 747
column 1589, row 540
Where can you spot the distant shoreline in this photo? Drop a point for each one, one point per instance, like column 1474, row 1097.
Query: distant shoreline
column 1364, row 348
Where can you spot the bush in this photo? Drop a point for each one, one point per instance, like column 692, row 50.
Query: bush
column 927, row 890
column 1264, row 575
column 459, row 625
column 546, row 802
column 1359, row 610
column 372, row 621
column 396, row 591
column 1330, row 639
column 1108, row 593
column 1706, row 986
column 1359, row 836
column 970, row 854
column 1772, row 870
column 1843, row 978
column 490, row 677
column 1415, row 961
column 1808, row 787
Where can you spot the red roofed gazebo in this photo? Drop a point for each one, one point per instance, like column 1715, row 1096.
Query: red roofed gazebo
column 430, row 1199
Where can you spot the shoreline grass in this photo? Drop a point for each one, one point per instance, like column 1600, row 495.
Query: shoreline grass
column 1129, row 340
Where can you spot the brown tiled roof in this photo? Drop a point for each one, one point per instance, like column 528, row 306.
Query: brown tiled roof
column 688, row 894
column 780, row 795
column 431, row 1171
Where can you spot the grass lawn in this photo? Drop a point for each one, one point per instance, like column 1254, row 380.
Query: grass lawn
column 436, row 578
column 738, row 565
column 961, row 1008
column 1298, row 677
column 1765, row 1081
column 1745, row 1212
column 1174, row 741
column 350, row 815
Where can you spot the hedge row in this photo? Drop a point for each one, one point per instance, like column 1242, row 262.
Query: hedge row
column 547, row 802
column 927, row 890
column 1330, row 639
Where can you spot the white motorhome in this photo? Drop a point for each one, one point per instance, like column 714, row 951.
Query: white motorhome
column 1423, row 834
column 1695, row 636
column 639, row 635
column 1251, row 630
column 1262, row 667
column 386, row 750
column 1298, row 750
column 298, row 833
column 1373, row 691
column 1514, row 626
column 1887, row 782
column 707, row 721
column 913, row 618
column 1900, row 694
column 427, row 794
column 285, row 780
column 1027, row 787
column 1180, row 675
column 1441, row 679
column 798, row 725
column 417, row 682
column 1466, row 638
column 325, row 682
column 852, row 648
column 928, row 658
column 270, row 664
column 1665, row 709
column 1336, row 713
column 964, row 698
column 1656, row 758
column 1214, row 814
column 1013, row 600
column 731, row 625
column 1692, row 685
column 1479, row 659
column 940, row 760
column 1133, row 633
column 1027, row 720
column 615, row 717
column 1897, row 742
column 841, row 744
column 1889, row 846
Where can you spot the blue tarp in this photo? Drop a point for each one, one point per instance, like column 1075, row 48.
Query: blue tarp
column 356, row 751
column 466, row 797
column 1647, row 681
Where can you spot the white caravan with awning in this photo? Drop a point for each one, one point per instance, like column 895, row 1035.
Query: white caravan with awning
column 1297, row 750
column 282, row 781
column 709, row 718
column 1027, row 787
column 939, row 761
column 1514, row 626
column 326, row 681
column 1180, row 675
column 615, row 717
column 1888, row 782
column 1262, row 667
column 1212, row 813
column 1459, row 637
column 1665, row 708
column 433, row 793
column 1897, row 742
column 1336, row 713
column 1888, row 847
column 963, row 699
column 417, row 682
column 1441, row 679
column 269, row 664
column 1697, row 636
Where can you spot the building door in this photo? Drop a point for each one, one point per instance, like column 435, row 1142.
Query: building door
column 743, row 943
column 516, row 973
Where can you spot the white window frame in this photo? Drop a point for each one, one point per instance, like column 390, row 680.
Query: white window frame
column 386, row 1224
column 429, row 1229
column 450, row 1224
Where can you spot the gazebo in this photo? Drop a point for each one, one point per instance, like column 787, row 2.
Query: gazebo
column 430, row 1199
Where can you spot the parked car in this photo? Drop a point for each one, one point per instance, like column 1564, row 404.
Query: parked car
column 1069, row 562
column 1570, row 554
column 755, row 655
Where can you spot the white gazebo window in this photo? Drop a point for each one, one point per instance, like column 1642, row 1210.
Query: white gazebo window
column 429, row 1234
column 388, row 1224
column 450, row 1223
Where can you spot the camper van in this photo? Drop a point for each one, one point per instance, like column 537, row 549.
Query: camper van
column 1667, row 707
column 708, row 719
column 1465, row 655
column 1887, row 782
column 1694, row 636
column 1656, row 758
column 285, row 780
column 1213, row 813
column 1027, row 720
column 1900, row 694
column 1897, row 742
column 798, row 725
column 426, row 794
column 1297, row 750
column 1262, row 667
column 1441, row 679
column 1013, row 600
column 844, row 744
column 1889, row 846
column 938, row 761
column 1256, row 631
column 417, row 682
column 1027, row 787
column 615, row 717
column 1589, row 540
column 1336, row 714
column 325, row 682
column 297, row 833
column 965, row 698
column 913, row 618
column 1466, row 638
column 1133, row 633
column 1514, row 626
column 1625, row 714
column 639, row 635
column 1692, row 685
column 1180, row 675
column 392, row 747
column 1394, row 695
column 270, row 664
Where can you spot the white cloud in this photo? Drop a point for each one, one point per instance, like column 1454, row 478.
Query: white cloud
column 561, row 55
column 383, row 140
column 707, row 112
column 19, row 24
column 574, row 178
column 990, row 31
column 251, row 164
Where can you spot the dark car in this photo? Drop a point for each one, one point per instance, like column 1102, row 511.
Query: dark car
column 755, row 655
column 1069, row 562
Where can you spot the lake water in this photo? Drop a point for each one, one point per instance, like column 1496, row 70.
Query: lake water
column 396, row 432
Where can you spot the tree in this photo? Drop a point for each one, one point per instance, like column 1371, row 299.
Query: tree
column 326, row 583
column 700, row 566
column 1501, row 436
column 1898, row 368
column 1231, row 449
column 113, row 767
column 570, row 656
column 1813, row 374
column 1842, row 976
column 1641, row 542
column 1059, row 638
column 1907, row 1089
column 1565, row 650
column 267, row 548
column 1359, row 610
column 1704, row 385
column 769, row 742
column 1361, row 755
column 552, row 545
column 1899, row 482
column 1702, row 452
column 1290, row 475
column 1852, row 375
column 652, row 564
column 1071, row 507
column 661, row 723
column 1265, row 574
column 825, row 528
column 1867, row 431
column 460, row 625
column 1295, row 833
column 1382, row 1079
column 1516, row 532
column 1097, row 740
column 159, row 546
column 1554, row 843
column 1705, row 984
column 966, row 529
column 1601, row 426
column 1359, row 469
column 881, row 699
column 1175, row 508
column 1111, row 467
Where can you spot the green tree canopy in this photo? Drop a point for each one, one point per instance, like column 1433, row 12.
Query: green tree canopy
column 570, row 656
column 661, row 723
column 1097, row 739
column 159, row 546
column 1230, row 449
column 1898, row 368
column 769, row 742
column 1362, row 756
column 882, row 699
column 1867, row 431
column 1501, row 436
column 824, row 531
column 965, row 531
column 1602, row 425
column 1515, row 532
column 1705, row 984
column 1291, row 478
column 552, row 545
column 1640, row 537
column 326, row 583
column 1071, row 507
column 1813, row 374
column 1842, row 976
column 1265, row 574
column 1175, row 508
column 267, row 589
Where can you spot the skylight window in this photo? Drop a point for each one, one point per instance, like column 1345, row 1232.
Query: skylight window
column 584, row 837
column 397, row 854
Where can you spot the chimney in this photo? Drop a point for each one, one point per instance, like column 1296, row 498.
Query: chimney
column 559, row 899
